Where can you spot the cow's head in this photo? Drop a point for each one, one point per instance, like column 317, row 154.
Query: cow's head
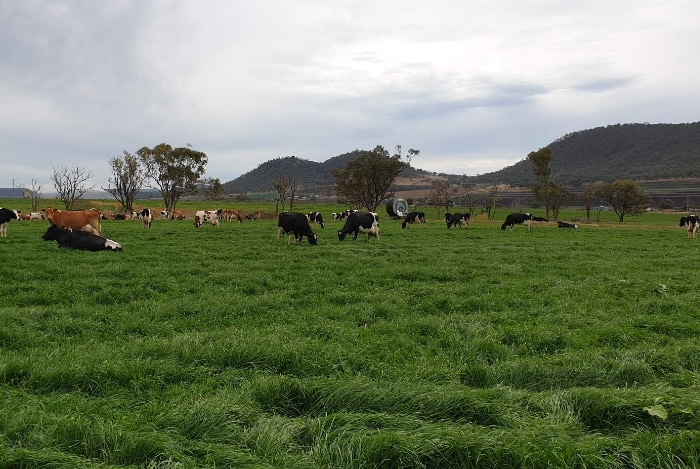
column 341, row 235
column 197, row 221
column 313, row 239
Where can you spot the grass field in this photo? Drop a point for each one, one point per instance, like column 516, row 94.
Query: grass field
column 431, row 348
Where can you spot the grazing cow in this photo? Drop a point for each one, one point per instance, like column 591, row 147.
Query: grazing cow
column 146, row 217
column 563, row 224
column 298, row 224
column 78, row 220
column 413, row 217
column 207, row 216
column 692, row 224
column 457, row 219
column 316, row 217
column 517, row 219
column 6, row 216
column 360, row 223
column 81, row 240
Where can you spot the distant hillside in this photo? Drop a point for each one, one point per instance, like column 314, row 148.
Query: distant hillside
column 622, row 151
column 310, row 175
column 630, row 151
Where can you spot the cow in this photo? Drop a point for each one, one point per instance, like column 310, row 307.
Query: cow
column 457, row 219
column 298, row 224
column 118, row 216
column 254, row 216
column 540, row 219
column 413, row 217
column 177, row 215
column 691, row 224
column 80, row 240
column 6, row 216
column 563, row 224
column 356, row 223
column 517, row 219
column 36, row 216
column 316, row 217
column 164, row 214
column 78, row 220
column 207, row 216
column 146, row 217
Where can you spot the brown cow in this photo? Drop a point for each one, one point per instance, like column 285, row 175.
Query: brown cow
column 79, row 220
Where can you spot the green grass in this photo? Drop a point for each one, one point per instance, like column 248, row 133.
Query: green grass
column 430, row 348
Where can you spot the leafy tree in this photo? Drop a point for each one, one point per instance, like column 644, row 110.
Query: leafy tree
column 71, row 183
column 212, row 189
column 365, row 181
column 541, row 166
column 625, row 196
column 127, row 178
column 173, row 171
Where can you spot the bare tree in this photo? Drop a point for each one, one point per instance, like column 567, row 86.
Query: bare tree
column 281, row 185
column 439, row 197
column 71, row 183
column 127, row 177
column 588, row 196
column 292, row 192
column 35, row 195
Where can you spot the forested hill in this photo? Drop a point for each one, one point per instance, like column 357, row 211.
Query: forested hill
column 622, row 151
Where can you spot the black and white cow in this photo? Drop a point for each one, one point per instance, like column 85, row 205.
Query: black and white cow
column 563, row 224
column 413, row 217
column 691, row 224
column 356, row 223
column 298, row 224
column 81, row 240
column 6, row 216
column 457, row 219
column 146, row 217
column 316, row 217
column 517, row 219
column 542, row 219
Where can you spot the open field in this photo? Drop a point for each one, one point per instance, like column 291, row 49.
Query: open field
column 430, row 348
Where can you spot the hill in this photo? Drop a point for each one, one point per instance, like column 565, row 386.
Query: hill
column 621, row 151
column 632, row 151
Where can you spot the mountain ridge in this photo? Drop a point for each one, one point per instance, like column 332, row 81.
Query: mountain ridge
column 602, row 154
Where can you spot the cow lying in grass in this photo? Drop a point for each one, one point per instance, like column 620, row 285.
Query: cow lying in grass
column 81, row 240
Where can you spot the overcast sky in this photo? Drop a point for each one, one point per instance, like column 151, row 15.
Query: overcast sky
column 475, row 86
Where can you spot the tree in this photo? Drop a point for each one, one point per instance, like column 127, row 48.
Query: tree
column 212, row 189
column 33, row 194
column 439, row 196
column 541, row 166
column 365, row 181
column 281, row 185
column 127, row 178
column 588, row 195
column 71, row 183
column 559, row 198
column 625, row 196
column 173, row 171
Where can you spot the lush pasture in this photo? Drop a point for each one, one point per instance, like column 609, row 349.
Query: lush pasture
column 430, row 348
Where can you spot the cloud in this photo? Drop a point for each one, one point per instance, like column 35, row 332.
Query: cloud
column 475, row 85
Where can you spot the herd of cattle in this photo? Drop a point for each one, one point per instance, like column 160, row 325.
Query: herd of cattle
column 80, row 229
